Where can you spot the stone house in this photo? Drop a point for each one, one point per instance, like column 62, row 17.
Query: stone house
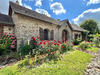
column 25, row 23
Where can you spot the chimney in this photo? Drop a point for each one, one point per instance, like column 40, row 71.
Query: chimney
column 17, row 2
column 58, row 19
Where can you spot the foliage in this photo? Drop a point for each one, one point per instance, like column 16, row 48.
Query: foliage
column 69, row 64
column 26, row 62
column 90, row 38
column 24, row 49
column 85, row 45
column 7, row 43
column 77, row 41
column 93, row 49
column 90, row 25
column 97, row 40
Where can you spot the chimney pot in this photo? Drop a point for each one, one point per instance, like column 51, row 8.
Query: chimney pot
column 17, row 2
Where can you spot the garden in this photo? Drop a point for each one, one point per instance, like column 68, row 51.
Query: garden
column 46, row 57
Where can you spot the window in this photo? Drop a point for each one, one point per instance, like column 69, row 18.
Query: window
column 45, row 34
column 52, row 34
column 76, row 36
column 79, row 35
column 41, row 34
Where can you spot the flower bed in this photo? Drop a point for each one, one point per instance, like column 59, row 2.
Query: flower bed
column 45, row 50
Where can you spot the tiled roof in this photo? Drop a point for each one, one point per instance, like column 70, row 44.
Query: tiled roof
column 30, row 13
column 5, row 19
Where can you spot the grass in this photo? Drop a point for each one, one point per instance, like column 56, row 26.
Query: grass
column 93, row 49
column 71, row 63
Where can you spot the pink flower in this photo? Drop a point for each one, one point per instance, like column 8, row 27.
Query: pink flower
column 4, row 46
column 6, row 42
column 13, row 41
column 5, row 33
column 12, row 46
column 12, row 37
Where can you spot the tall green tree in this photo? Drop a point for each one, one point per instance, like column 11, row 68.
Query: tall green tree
column 90, row 25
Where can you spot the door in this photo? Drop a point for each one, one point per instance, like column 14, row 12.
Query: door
column 64, row 36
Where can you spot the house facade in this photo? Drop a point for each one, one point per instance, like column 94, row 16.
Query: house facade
column 25, row 23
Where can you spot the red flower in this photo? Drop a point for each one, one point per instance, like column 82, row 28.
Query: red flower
column 34, row 39
column 41, row 42
column 62, row 46
column 44, row 43
column 49, row 44
column 34, row 43
column 54, row 40
column 57, row 44
column 68, row 45
column 41, row 46
column 48, row 50
column 73, row 43
column 47, row 40
column 38, row 37
column 51, row 54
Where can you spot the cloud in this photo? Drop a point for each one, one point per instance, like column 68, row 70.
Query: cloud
column 27, row 6
column 93, row 2
column 4, row 5
column 42, row 11
column 51, row 0
column 57, row 8
column 38, row 3
column 88, row 14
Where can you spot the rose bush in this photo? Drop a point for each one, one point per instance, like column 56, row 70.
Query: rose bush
column 85, row 45
column 7, row 43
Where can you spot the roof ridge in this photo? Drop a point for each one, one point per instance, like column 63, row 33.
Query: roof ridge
column 31, row 10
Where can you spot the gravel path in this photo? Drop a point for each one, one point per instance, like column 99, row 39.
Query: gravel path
column 94, row 67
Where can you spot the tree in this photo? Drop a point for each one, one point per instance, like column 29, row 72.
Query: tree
column 90, row 25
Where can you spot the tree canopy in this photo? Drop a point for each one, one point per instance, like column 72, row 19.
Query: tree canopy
column 90, row 25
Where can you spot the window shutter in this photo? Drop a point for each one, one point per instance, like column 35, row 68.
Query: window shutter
column 41, row 34
column 52, row 34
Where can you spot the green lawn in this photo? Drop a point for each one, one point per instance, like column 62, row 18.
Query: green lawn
column 94, row 49
column 72, row 63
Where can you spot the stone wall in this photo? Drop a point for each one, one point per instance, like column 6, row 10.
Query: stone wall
column 9, row 30
column 26, row 27
column 67, row 28
column 76, row 32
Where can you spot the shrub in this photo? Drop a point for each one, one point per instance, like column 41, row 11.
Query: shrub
column 26, row 62
column 7, row 43
column 66, row 46
column 84, row 45
column 77, row 41
column 97, row 40
column 25, row 50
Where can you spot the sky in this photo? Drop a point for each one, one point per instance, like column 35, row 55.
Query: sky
column 76, row 11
